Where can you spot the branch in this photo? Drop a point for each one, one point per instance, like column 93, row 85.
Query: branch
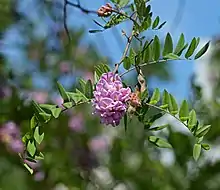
column 65, row 19
column 65, row 109
column 149, row 63
column 125, row 15
column 78, row 5
column 165, row 111
column 125, row 51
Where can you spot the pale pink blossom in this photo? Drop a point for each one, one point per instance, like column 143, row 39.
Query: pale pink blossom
column 110, row 99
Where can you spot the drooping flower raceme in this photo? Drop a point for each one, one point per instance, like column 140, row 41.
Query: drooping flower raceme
column 110, row 99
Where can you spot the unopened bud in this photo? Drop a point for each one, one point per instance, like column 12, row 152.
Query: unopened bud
column 105, row 11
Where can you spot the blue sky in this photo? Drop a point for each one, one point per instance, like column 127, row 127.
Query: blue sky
column 200, row 18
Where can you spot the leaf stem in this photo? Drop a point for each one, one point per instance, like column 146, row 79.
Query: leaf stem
column 149, row 63
column 63, row 110
column 129, row 40
column 125, row 15
column 165, row 111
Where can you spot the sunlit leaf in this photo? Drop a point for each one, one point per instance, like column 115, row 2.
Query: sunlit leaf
column 155, row 97
column 192, row 119
column 191, row 48
column 156, row 22
column 77, row 97
column 202, row 51
column 174, row 107
column 144, row 94
column 172, row 56
column 63, row 93
column 156, row 48
column 159, row 142
column 39, row 138
column 196, row 151
column 56, row 112
column 31, row 148
column 202, row 131
column 45, row 116
column 184, row 111
column 168, row 46
column 165, row 100
column 29, row 168
column 181, row 51
column 180, row 44
column 68, row 105
column 205, row 146
column 123, row 3
column 33, row 122
column 115, row 19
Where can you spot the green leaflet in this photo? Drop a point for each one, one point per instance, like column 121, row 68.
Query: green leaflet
column 184, row 111
column 196, row 151
column 191, row 48
column 155, row 97
column 192, row 119
column 127, row 63
column 156, row 48
column 115, row 19
column 202, row 51
column 161, row 143
column 168, row 46
column 89, row 89
column 39, row 138
column 180, row 44
column 156, row 22
column 63, row 92
column 31, row 148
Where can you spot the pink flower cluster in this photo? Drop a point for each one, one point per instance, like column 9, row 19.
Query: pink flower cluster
column 11, row 137
column 110, row 99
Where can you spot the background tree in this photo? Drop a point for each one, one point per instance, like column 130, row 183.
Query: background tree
column 79, row 153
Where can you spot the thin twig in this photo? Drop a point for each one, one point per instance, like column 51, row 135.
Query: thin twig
column 74, row 105
column 78, row 5
column 124, row 54
column 125, row 15
column 125, row 51
column 65, row 19
column 149, row 63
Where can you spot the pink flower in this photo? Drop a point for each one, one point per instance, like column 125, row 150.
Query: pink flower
column 39, row 176
column 39, row 97
column 76, row 123
column 65, row 67
column 110, row 99
column 5, row 92
column 99, row 143
column 10, row 136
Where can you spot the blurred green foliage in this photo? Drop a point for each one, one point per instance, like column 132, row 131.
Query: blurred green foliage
column 79, row 152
